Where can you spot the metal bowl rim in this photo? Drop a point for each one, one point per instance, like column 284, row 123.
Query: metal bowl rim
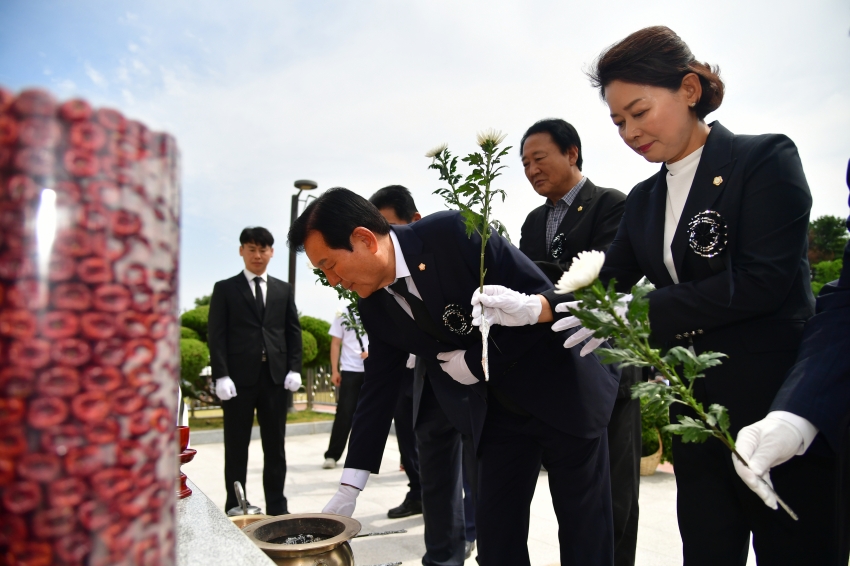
column 351, row 529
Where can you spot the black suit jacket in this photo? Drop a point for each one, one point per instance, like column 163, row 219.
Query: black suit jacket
column 590, row 224
column 752, row 301
column 527, row 364
column 237, row 335
column 818, row 386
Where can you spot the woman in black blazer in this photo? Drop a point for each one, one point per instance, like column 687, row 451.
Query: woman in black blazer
column 721, row 231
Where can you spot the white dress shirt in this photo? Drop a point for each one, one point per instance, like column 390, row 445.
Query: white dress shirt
column 264, row 283
column 680, row 177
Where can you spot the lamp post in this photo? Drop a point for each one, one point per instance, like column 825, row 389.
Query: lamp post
column 301, row 185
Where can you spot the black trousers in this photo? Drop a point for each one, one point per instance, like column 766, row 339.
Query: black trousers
column 717, row 511
column 511, row 451
column 442, row 455
column 624, row 449
column 406, row 438
column 269, row 400
column 349, row 392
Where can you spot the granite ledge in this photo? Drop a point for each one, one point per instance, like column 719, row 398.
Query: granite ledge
column 206, row 536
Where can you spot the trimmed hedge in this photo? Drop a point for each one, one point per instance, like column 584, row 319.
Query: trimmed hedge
column 319, row 329
column 194, row 356
column 310, row 348
column 189, row 333
column 197, row 320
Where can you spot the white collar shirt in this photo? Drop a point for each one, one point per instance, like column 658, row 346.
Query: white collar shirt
column 264, row 284
column 402, row 272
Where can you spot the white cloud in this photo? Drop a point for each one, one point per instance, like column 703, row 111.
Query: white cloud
column 96, row 77
column 132, row 47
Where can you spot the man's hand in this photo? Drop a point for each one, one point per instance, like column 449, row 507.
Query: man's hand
column 583, row 333
column 224, row 388
column 505, row 306
column 336, row 378
column 454, row 364
column 292, row 381
column 364, row 355
column 343, row 502
column 765, row 444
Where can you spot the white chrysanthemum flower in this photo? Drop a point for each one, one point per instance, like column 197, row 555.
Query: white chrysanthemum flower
column 494, row 136
column 583, row 272
column 338, row 314
column 310, row 266
column 437, row 150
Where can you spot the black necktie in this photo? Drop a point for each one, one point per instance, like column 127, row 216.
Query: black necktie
column 258, row 296
column 420, row 311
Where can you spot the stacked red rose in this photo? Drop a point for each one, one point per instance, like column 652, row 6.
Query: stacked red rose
column 89, row 359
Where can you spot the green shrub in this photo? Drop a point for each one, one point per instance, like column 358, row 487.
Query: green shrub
column 310, row 348
column 824, row 272
column 197, row 319
column 651, row 425
column 189, row 333
column 319, row 329
column 194, row 356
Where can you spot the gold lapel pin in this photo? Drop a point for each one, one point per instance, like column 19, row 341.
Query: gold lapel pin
column 421, row 267
column 580, row 208
column 717, row 180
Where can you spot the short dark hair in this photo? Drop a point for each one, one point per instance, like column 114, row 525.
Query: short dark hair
column 563, row 134
column 335, row 215
column 256, row 235
column 656, row 56
column 398, row 198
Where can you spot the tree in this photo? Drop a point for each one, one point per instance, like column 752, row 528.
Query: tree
column 202, row 301
column 197, row 319
column 194, row 356
column 827, row 238
column 319, row 329
column 309, row 347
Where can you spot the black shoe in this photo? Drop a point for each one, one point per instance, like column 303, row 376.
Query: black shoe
column 470, row 546
column 406, row 509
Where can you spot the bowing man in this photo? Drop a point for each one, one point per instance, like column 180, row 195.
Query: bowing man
column 543, row 404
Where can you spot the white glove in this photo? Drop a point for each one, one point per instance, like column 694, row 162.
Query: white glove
column 454, row 364
column 292, row 381
column 765, row 444
column 343, row 501
column 411, row 361
column 581, row 335
column 505, row 306
column 224, row 388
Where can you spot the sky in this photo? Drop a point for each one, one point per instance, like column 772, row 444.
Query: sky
column 261, row 93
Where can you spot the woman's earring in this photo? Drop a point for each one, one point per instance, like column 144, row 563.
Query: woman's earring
column 692, row 104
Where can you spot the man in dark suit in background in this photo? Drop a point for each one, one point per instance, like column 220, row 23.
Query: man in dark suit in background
column 815, row 398
column 579, row 216
column 255, row 354
column 415, row 282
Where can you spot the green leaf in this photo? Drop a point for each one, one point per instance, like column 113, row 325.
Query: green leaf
column 720, row 415
column 690, row 430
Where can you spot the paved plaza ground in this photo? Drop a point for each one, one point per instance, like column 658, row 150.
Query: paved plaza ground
column 309, row 487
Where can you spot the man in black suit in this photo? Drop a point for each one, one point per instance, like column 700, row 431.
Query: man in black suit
column 579, row 216
column 815, row 398
column 539, row 404
column 255, row 354
column 449, row 535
